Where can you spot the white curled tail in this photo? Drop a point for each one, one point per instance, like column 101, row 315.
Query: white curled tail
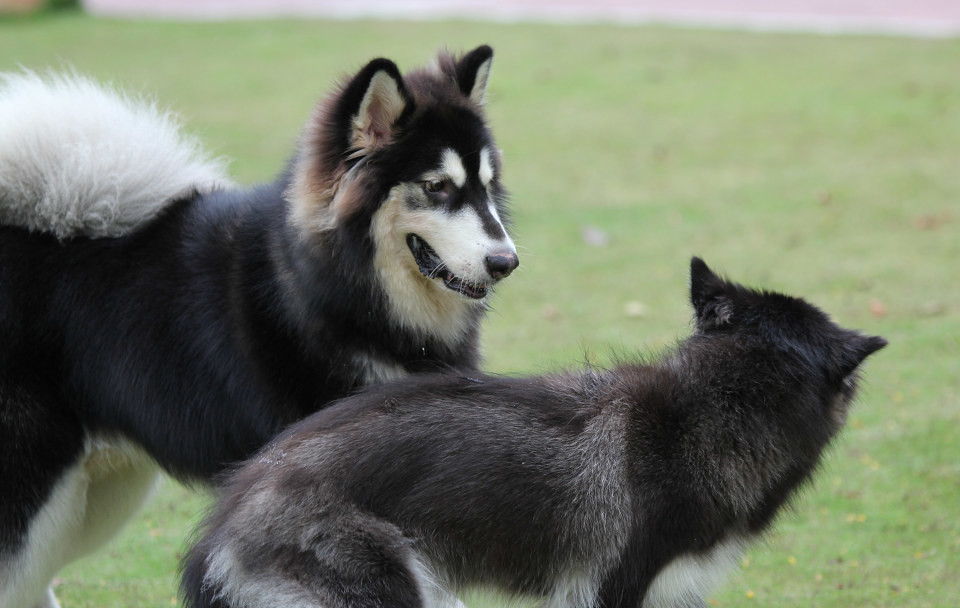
column 77, row 158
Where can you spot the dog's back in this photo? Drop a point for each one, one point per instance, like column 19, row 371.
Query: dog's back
column 487, row 456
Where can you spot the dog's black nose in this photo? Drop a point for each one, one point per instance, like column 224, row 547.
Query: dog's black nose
column 500, row 265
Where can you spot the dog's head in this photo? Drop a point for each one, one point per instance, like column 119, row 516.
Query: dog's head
column 408, row 163
column 814, row 360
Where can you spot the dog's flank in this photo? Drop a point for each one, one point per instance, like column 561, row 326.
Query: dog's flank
column 191, row 320
column 638, row 485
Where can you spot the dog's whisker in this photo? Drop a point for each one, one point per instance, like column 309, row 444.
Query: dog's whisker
column 436, row 271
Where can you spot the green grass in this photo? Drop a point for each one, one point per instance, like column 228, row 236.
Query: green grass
column 827, row 167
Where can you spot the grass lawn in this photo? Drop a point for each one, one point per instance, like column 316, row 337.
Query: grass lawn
column 827, row 167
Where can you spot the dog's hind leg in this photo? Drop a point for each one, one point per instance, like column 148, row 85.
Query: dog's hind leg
column 120, row 478
column 347, row 560
column 89, row 504
column 370, row 563
column 25, row 576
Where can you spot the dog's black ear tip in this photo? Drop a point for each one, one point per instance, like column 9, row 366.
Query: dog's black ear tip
column 875, row 343
column 858, row 349
column 382, row 64
column 698, row 266
column 711, row 296
column 472, row 72
column 472, row 60
column 701, row 277
column 484, row 51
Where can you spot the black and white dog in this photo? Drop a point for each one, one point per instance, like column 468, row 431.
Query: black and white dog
column 152, row 314
column 635, row 486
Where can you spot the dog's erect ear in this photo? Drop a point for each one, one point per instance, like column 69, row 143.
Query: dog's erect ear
column 858, row 348
column 867, row 345
column 373, row 103
column 364, row 116
column 473, row 71
column 709, row 295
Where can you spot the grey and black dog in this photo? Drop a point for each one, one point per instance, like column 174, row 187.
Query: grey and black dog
column 635, row 486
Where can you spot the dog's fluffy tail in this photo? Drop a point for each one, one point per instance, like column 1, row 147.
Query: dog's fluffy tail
column 77, row 158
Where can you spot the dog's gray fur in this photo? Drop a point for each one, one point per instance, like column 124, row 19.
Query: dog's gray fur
column 635, row 486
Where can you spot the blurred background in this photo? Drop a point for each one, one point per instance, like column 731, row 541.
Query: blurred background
column 811, row 147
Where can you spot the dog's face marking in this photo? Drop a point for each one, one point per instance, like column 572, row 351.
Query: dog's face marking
column 440, row 244
column 451, row 167
column 486, row 167
column 454, row 232
column 437, row 246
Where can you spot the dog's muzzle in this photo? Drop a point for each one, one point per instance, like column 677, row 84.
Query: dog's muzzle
column 498, row 265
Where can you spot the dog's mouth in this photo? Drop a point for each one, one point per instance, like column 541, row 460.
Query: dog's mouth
column 433, row 267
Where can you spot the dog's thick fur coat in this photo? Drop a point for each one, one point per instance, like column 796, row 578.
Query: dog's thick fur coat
column 152, row 315
column 635, row 486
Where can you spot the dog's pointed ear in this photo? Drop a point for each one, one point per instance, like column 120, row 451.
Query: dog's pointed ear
column 869, row 345
column 473, row 72
column 709, row 296
column 365, row 115
column 857, row 349
column 705, row 285
column 374, row 102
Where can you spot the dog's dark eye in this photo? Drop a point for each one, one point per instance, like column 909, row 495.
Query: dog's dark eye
column 434, row 186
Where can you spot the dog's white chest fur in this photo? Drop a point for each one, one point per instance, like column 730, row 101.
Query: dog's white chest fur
column 689, row 578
